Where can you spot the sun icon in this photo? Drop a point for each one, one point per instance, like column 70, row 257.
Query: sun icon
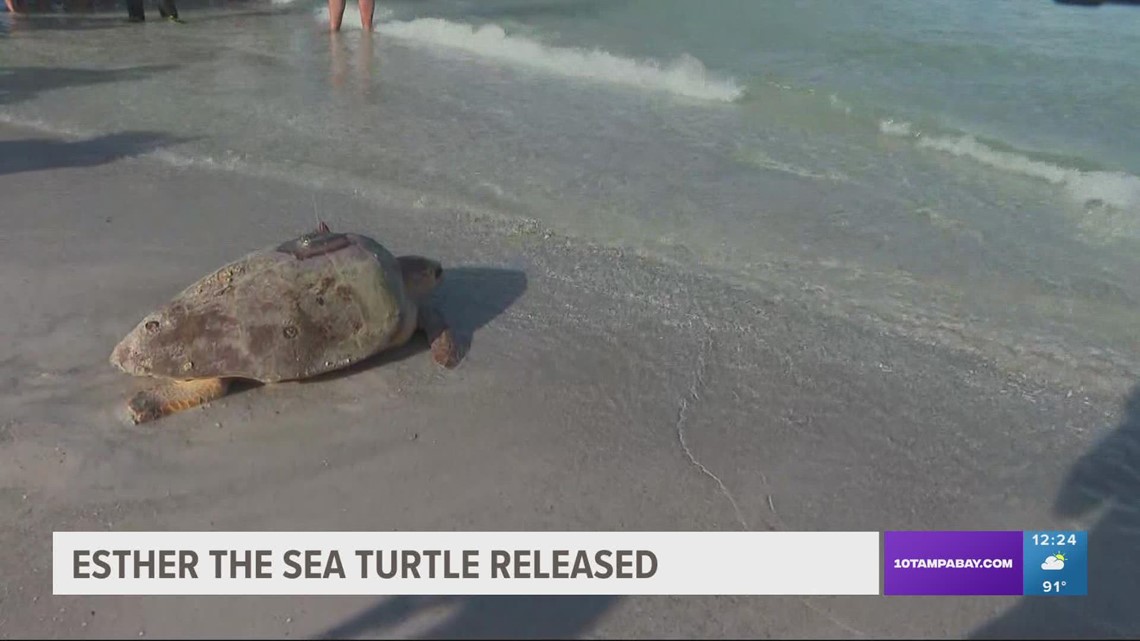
column 1060, row 557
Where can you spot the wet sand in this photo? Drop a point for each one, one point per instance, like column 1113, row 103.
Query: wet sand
column 601, row 391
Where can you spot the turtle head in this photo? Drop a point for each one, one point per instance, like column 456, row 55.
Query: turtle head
column 421, row 275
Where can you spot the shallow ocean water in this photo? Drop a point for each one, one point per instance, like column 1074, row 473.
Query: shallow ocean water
column 961, row 171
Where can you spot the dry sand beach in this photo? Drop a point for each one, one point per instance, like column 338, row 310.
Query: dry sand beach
column 604, row 388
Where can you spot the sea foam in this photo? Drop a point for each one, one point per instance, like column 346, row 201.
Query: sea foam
column 684, row 76
column 1116, row 189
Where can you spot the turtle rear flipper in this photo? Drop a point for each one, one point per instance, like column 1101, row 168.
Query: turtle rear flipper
column 174, row 396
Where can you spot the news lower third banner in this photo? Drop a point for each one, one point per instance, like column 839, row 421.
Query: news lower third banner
column 455, row 563
column 895, row 563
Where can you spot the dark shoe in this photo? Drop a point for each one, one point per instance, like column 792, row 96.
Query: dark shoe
column 167, row 9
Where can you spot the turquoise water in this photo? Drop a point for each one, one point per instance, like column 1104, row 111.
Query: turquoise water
column 964, row 171
column 1033, row 74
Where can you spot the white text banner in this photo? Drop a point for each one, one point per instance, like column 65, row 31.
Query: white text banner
column 458, row 563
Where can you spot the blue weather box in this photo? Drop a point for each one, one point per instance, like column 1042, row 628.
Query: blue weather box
column 1056, row 563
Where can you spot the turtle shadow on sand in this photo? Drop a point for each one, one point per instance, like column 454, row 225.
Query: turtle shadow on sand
column 1105, row 482
column 469, row 297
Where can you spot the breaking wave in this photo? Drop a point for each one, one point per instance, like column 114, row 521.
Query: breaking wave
column 1116, row 189
column 684, row 76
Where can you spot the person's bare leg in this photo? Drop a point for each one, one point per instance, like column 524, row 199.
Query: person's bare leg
column 336, row 14
column 367, row 9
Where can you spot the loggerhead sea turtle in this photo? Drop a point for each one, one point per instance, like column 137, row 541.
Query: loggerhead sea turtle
column 318, row 302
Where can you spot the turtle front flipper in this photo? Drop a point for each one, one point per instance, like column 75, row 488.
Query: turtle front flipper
column 444, row 347
column 174, row 396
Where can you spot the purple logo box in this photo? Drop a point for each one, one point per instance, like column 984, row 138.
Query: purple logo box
column 953, row 563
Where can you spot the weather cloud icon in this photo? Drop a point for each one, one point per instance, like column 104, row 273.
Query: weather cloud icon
column 1054, row 562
